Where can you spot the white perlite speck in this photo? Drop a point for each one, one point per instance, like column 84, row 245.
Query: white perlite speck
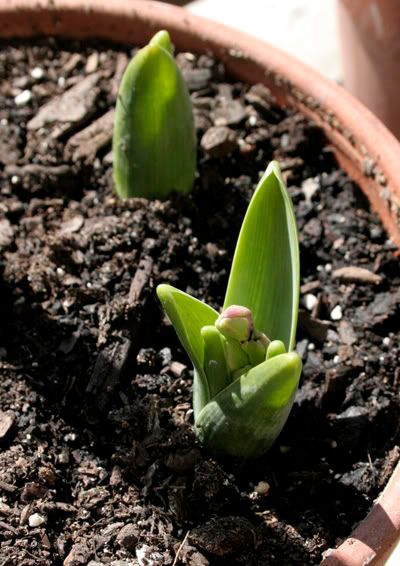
column 23, row 98
column 310, row 301
column 37, row 73
column 336, row 313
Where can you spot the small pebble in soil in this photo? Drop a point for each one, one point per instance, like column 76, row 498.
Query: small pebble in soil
column 262, row 488
column 6, row 424
column 36, row 520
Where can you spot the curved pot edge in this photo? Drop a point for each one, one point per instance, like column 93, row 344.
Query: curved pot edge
column 357, row 136
column 375, row 535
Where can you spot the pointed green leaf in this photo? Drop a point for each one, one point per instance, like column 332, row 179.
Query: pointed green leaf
column 245, row 419
column 154, row 143
column 265, row 274
column 188, row 316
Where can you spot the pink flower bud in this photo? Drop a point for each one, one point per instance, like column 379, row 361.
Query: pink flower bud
column 236, row 322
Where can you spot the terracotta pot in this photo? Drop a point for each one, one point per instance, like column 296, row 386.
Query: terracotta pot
column 363, row 146
column 370, row 44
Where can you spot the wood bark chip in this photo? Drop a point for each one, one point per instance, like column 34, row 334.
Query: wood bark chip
column 62, row 175
column 8, row 487
column 86, row 143
column 140, row 279
column 315, row 328
column 6, row 424
column 9, row 140
column 121, row 64
column 106, row 375
column 78, row 555
column 7, row 527
column 196, row 79
column 69, row 109
column 260, row 97
column 347, row 333
column 229, row 113
column 224, row 536
column 6, row 233
column 219, row 141
column 356, row 274
column 72, row 225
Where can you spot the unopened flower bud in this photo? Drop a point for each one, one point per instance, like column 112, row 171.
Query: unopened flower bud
column 235, row 322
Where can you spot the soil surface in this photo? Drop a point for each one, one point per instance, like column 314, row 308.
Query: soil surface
column 98, row 462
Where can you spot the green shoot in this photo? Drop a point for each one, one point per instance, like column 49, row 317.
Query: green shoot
column 154, row 143
column 245, row 370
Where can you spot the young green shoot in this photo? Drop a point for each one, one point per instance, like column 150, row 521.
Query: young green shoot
column 245, row 370
column 154, row 142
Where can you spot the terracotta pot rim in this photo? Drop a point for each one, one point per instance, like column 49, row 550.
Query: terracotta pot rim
column 358, row 137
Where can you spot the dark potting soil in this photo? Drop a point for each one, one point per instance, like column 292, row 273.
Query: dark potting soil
column 98, row 463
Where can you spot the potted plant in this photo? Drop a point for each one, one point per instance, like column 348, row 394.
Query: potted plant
column 369, row 45
column 363, row 147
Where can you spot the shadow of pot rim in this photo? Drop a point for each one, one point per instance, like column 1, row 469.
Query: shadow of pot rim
column 363, row 146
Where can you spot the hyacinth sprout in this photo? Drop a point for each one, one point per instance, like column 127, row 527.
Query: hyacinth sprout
column 154, row 142
column 245, row 370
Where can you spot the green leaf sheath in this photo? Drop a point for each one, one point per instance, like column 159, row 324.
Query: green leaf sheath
column 189, row 316
column 245, row 418
column 154, row 142
column 214, row 363
column 265, row 274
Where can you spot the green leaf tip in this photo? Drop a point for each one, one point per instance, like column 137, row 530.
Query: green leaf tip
column 245, row 372
column 154, row 141
column 162, row 39
column 265, row 273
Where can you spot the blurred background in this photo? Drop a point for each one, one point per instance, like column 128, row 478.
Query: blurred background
column 306, row 29
column 354, row 42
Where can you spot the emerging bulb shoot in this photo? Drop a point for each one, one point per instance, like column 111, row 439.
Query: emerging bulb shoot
column 245, row 380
